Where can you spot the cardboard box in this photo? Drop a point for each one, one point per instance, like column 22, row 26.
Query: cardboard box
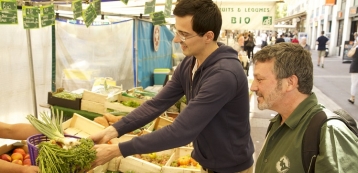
column 81, row 126
column 55, row 101
column 179, row 152
column 132, row 163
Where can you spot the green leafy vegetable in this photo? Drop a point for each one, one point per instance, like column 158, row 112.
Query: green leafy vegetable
column 61, row 154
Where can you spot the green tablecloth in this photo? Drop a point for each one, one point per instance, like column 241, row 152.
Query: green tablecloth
column 68, row 113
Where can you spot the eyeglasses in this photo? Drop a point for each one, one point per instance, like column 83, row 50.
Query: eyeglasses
column 183, row 38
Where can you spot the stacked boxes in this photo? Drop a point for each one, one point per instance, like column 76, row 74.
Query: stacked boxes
column 93, row 102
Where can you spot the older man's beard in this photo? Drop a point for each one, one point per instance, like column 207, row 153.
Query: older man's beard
column 272, row 98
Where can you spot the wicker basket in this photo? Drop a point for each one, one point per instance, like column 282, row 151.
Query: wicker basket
column 32, row 143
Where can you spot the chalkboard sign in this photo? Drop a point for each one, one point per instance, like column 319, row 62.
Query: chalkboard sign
column 47, row 20
column 47, row 13
column 30, row 11
column 31, row 22
column 89, row 15
column 149, row 7
column 97, row 6
column 8, row 17
column 77, row 8
column 159, row 22
column 47, row 9
column 168, row 8
column 157, row 18
column 8, row 12
column 8, row 5
column 30, row 17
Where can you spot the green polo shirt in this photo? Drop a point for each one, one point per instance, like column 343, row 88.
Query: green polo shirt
column 282, row 149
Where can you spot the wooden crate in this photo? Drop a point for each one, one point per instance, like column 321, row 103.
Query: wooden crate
column 134, row 164
column 161, row 122
column 94, row 97
column 81, row 126
column 181, row 151
column 92, row 106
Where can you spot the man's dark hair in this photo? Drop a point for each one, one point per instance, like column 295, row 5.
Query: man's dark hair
column 322, row 32
column 206, row 15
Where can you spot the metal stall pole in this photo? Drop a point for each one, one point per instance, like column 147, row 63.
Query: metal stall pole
column 29, row 51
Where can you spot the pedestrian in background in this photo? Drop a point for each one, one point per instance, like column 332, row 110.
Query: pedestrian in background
column 240, row 41
column 263, row 36
column 321, row 41
column 294, row 39
column 287, row 38
column 280, row 40
column 353, row 70
column 283, row 82
column 304, row 44
column 249, row 46
column 216, row 118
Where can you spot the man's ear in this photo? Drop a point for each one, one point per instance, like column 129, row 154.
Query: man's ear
column 209, row 36
column 292, row 82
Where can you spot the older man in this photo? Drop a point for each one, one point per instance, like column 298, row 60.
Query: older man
column 304, row 44
column 283, row 82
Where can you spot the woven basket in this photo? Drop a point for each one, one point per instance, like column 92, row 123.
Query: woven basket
column 32, row 143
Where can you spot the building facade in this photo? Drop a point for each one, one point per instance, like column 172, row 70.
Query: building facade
column 338, row 18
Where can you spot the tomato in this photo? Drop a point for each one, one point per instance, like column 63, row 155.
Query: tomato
column 184, row 160
column 193, row 162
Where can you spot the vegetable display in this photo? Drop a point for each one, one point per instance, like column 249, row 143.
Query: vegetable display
column 131, row 103
column 61, row 154
column 185, row 162
column 67, row 95
column 154, row 158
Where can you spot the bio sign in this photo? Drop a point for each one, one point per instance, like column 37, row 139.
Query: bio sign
column 247, row 16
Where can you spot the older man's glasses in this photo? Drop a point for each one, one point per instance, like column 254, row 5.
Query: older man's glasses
column 182, row 37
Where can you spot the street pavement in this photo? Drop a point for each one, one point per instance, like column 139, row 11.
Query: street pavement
column 331, row 86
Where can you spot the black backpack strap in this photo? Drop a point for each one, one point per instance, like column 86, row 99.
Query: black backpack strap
column 311, row 140
column 347, row 119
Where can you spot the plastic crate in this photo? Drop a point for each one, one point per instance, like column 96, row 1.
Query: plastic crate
column 32, row 143
column 55, row 101
column 159, row 75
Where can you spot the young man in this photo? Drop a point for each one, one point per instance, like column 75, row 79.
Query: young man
column 283, row 82
column 216, row 118
column 321, row 41
column 19, row 131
